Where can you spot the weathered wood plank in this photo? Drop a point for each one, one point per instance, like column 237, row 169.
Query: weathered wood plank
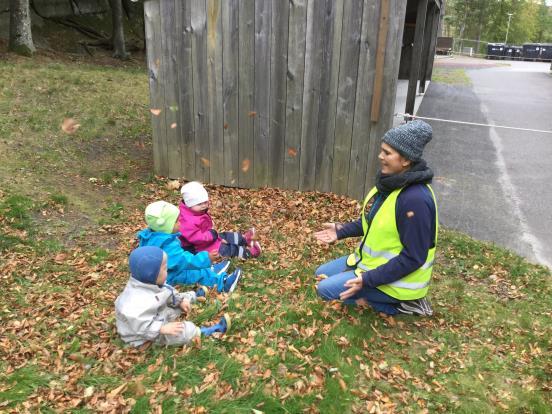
column 434, row 31
column 397, row 11
column 365, row 81
column 201, row 102
column 246, row 89
column 332, row 22
column 214, row 90
column 294, row 91
column 230, row 69
column 426, row 48
column 416, row 56
column 311, row 93
column 263, row 22
column 348, row 71
column 380, row 59
column 185, row 123
column 170, row 75
column 278, row 76
column 152, row 21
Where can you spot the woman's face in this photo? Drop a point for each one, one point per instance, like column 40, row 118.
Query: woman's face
column 391, row 161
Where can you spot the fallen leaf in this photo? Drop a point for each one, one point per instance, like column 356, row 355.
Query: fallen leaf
column 245, row 165
column 70, row 125
column 173, row 185
column 292, row 152
column 252, row 114
column 89, row 391
column 117, row 390
column 173, row 125
column 205, row 162
column 60, row 258
column 156, row 112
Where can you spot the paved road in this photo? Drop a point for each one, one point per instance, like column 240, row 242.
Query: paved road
column 492, row 183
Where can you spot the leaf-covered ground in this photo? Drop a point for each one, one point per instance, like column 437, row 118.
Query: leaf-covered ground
column 70, row 206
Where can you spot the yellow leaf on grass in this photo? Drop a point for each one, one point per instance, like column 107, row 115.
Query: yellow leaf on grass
column 69, row 125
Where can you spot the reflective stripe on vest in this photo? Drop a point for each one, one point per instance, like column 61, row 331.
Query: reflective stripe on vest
column 382, row 243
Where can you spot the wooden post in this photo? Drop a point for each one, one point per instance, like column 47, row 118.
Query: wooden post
column 436, row 28
column 380, row 60
column 428, row 33
column 416, row 56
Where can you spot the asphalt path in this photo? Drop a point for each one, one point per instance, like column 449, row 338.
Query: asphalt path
column 491, row 183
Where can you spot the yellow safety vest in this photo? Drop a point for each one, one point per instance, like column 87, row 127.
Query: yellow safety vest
column 381, row 243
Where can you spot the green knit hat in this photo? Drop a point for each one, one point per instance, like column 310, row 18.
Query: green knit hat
column 161, row 216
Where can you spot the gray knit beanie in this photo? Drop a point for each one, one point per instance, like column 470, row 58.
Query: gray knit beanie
column 409, row 139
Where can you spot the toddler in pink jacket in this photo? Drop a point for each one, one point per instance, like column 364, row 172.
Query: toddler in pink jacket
column 196, row 228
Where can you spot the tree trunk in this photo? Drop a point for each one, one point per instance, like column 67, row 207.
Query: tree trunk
column 118, row 33
column 21, row 37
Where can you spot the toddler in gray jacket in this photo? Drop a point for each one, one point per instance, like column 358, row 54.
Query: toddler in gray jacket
column 147, row 308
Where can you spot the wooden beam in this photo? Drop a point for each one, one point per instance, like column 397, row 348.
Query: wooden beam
column 380, row 60
column 416, row 56
column 428, row 33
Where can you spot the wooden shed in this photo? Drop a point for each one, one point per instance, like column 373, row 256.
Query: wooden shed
column 285, row 93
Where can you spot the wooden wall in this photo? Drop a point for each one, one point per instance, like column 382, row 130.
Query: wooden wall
column 255, row 93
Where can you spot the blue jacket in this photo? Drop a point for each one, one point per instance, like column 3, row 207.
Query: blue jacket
column 179, row 260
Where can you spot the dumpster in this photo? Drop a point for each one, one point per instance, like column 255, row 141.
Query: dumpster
column 444, row 45
column 495, row 51
column 546, row 51
column 513, row 52
column 531, row 51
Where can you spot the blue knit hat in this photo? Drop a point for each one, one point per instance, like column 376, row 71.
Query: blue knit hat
column 409, row 139
column 145, row 263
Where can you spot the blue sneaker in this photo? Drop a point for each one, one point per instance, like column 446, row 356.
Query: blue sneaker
column 202, row 292
column 231, row 281
column 222, row 327
column 222, row 267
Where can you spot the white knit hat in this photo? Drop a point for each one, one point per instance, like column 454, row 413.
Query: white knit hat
column 193, row 193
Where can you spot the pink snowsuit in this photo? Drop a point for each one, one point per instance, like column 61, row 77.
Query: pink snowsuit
column 197, row 231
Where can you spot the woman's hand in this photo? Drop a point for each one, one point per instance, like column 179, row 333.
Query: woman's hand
column 186, row 306
column 172, row 328
column 328, row 234
column 354, row 285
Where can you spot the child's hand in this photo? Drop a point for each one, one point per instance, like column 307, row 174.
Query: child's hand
column 172, row 328
column 214, row 255
column 186, row 306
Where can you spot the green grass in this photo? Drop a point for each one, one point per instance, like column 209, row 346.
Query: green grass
column 451, row 76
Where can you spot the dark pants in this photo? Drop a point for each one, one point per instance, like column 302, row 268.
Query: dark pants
column 235, row 245
column 338, row 273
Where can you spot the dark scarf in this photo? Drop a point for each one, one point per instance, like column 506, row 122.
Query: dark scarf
column 418, row 173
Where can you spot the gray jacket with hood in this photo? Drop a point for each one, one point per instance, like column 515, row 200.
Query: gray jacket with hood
column 142, row 309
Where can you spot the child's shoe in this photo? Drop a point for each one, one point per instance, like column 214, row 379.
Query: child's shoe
column 231, row 281
column 202, row 292
column 255, row 249
column 250, row 235
column 222, row 267
column 222, row 327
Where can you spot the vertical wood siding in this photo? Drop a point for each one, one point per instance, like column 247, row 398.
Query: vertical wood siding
column 277, row 93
